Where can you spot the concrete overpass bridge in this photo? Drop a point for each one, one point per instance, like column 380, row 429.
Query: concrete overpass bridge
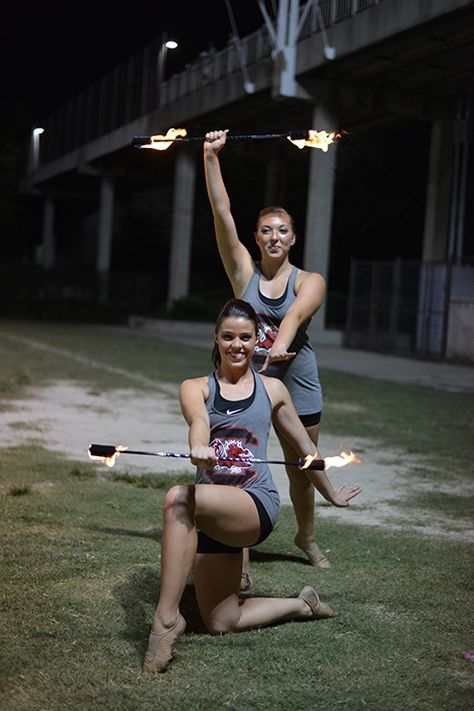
column 334, row 64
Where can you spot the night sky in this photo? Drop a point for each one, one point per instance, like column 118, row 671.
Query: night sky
column 51, row 51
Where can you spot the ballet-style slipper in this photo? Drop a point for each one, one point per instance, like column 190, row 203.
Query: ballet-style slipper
column 314, row 554
column 246, row 580
column 320, row 609
column 160, row 647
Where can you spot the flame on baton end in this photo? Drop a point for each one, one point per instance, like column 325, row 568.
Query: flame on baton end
column 110, row 461
column 342, row 459
column 316, row 139
column 159, row 143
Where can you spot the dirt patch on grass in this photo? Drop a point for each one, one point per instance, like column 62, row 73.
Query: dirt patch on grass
column 66, row 418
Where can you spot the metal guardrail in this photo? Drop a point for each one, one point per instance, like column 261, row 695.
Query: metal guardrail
column 133, row 88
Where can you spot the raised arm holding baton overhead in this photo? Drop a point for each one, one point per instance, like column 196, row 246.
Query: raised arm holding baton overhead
column 284, row 298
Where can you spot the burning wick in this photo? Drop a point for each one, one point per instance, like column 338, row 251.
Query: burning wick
column 340, row 460
column 159, row 143
column 316, row 139
column 110, row 460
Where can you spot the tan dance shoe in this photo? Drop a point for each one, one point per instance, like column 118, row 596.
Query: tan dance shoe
column 320, row 609
column 314, row 554
column 160, row 647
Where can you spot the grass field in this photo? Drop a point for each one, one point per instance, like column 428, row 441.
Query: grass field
column 80, row 565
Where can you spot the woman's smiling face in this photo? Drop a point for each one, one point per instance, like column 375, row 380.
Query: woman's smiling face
column 236, row 340
column 274, row 234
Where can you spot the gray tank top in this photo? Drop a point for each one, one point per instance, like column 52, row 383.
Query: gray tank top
column 240, row 429
column 300, row 374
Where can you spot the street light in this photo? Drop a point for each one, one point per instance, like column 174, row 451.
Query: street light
column 35, row 147
column 166, row 44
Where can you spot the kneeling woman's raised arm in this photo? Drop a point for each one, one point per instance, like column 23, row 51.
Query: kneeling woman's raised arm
column 287, row 422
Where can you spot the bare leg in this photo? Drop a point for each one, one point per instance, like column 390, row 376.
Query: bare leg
column 246, row 580
column 227, row 513
column 302, row 498
column 216, row 583
column 178, row 548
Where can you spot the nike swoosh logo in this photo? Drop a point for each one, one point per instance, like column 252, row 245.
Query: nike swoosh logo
column 233, row 412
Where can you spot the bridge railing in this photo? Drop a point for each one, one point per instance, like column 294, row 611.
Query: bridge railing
column 133, row 88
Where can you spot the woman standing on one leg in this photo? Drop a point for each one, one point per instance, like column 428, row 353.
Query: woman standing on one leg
column 285, row 298
column 233, row 504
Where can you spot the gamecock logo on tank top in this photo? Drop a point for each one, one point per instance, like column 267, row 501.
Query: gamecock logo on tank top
column 268, row 327
column 231, row 443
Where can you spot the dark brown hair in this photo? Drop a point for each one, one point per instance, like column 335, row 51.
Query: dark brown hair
column 234, row 308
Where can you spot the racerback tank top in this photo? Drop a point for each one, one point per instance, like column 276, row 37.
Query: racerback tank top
column 300, row 374
column 241, row 430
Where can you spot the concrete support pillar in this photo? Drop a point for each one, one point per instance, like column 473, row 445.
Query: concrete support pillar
column 438, row 193
column 181, row 233
column 48, row 247
column 106, row 220
column 459, row 194
column 319, row 213
column 275, row 182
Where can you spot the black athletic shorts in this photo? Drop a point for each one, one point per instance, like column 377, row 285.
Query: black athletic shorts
column 310, row 420
column 206, row 544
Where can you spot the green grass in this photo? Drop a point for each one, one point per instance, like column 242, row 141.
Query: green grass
column 453, row 505
column 80, row 566
column 419, row 420
column 98, row 357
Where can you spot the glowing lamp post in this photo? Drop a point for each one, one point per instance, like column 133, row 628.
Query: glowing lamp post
column 35, row 147
column 166, row 44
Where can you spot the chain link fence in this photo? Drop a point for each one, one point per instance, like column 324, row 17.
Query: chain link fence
column 412, row 308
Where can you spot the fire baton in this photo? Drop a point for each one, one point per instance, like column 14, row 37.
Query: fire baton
column 108, row 451
column 301, row 139
column 139, row 141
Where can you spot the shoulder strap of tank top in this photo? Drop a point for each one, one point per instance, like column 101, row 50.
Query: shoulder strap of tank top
column 211, row 381
column 253, row 281
column 292, row 279
column 260, row 388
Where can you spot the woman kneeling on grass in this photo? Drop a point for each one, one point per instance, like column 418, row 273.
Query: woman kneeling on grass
column 229, row 414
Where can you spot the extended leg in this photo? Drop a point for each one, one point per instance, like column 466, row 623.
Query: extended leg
column 216, row 583
column 302, row 498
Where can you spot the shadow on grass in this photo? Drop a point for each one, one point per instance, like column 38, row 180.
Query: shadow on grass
column 138, row 597
column 139, row 593
column 155, row 534
column 263, row 557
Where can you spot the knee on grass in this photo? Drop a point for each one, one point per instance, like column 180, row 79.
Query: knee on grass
column 219, row 624
column 179, row 501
